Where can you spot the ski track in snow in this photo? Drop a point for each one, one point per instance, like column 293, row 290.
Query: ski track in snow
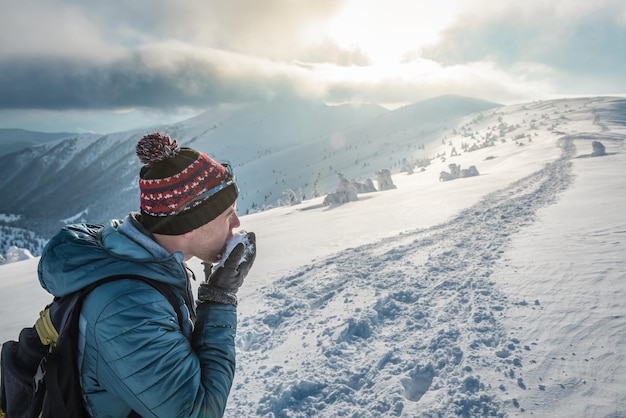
column 433, row 308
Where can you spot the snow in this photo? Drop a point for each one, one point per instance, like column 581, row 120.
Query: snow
column 501, row 294
column 240, row 237
column 9, row 217
column 14, row 254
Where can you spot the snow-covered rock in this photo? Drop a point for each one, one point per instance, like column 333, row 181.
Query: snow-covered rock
column 14, row 254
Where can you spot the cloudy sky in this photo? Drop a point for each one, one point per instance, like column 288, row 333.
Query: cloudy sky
column 117, row 64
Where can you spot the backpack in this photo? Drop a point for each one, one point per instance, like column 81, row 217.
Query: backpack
column 40, row 371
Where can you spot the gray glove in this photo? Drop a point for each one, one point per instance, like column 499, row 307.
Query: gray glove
column 222, row 284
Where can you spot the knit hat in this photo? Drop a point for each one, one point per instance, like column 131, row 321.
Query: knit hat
column 181, row 189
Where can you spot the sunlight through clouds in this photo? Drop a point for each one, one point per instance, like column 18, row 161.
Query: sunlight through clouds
column 68, row 56
column 388, row 30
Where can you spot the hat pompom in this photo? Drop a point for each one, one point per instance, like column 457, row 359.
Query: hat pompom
column 156, row 147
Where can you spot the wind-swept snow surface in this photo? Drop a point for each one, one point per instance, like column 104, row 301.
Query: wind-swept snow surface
column 566, row 277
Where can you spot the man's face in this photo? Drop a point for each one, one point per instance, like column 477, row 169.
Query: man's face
column 209, row 241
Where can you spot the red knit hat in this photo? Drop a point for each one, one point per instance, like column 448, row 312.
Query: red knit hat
column 181, row 189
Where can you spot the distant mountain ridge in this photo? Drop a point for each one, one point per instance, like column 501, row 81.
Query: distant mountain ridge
column 274, row 147
column 12, row 140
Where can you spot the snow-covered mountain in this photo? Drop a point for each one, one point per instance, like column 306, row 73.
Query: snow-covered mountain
column 500, row 294
column 13, row 140
column 283, row 145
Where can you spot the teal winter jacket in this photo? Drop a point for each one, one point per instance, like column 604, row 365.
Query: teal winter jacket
column 133, row 354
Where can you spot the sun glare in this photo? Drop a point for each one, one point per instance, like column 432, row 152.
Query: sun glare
column 387, row 30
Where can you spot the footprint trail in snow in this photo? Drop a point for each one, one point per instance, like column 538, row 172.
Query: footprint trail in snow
column 400, row 327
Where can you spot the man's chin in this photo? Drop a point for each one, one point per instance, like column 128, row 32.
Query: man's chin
column 215, row 258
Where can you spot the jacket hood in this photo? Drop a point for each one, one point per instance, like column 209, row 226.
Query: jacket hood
column 81, row 254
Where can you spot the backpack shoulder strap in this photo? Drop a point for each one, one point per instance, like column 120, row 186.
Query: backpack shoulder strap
column 161, row 287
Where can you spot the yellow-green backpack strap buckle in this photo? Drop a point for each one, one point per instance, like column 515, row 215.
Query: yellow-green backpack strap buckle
column 46, row 330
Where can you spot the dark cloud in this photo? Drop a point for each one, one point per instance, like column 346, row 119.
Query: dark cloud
column 64, row 54
column 72, row 83
column 585, row 45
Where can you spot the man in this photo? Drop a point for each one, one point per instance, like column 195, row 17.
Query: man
column 134, row 357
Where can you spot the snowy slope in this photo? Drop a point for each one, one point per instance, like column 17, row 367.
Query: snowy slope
column 12, row 140
column 274, row 147
column 501, row 294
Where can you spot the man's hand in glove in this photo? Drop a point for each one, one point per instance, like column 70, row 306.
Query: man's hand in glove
column 222, row 284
